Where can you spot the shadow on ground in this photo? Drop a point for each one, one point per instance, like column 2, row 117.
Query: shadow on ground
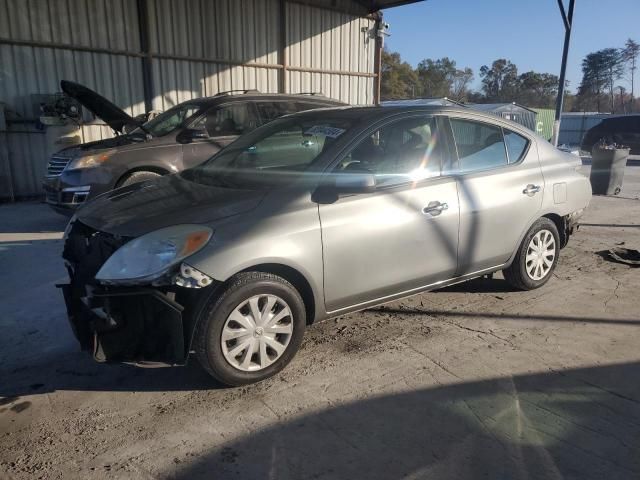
column 574, row 424
column 77, row 371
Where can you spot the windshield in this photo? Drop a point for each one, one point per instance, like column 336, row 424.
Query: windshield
column 168, row 121
column 273, row 155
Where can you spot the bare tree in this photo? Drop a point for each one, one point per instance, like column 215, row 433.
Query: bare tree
column 460, row 84
column 630, row 55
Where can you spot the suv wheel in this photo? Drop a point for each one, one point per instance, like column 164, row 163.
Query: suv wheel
column 537, row 257
column 136, row 177
column 251, row 330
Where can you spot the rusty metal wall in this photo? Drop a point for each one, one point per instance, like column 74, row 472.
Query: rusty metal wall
column 197, row 48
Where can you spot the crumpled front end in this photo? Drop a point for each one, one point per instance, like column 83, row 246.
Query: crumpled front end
column 134, row 323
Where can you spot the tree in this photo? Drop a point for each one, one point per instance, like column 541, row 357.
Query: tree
column 441, row 78
column 499, row 83
column 460, row 85
column 436, row 77
column 537, row 89
column 630, row 55
column 399, row 80
column 600, row 70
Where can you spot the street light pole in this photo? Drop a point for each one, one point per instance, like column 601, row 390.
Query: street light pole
column 568, row 23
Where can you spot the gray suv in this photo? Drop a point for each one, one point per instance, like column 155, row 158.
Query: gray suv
column 182, row 137
column 314, row 215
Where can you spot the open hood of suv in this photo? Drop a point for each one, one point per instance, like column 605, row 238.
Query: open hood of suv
column 102, row 108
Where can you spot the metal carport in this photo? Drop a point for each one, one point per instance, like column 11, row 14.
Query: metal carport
column 152, row 54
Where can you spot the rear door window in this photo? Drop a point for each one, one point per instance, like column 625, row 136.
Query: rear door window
column 269, row 111
column 228, row 120
column 480, row 145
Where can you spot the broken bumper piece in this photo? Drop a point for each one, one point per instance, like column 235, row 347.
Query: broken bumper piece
column 127, row 324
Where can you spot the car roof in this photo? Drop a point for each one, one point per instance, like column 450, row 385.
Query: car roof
column 249, row 95
column 374, row 113
column 389, row 110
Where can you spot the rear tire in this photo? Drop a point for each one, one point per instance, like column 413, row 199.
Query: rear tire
column 137, row 177
column 226, row 324
column 536, row 258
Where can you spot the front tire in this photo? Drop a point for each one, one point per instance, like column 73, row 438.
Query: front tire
column 251, row 330
column 137, row 177
column 536, row 258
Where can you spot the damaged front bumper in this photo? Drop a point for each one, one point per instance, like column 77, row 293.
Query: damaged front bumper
column 132, row 324
column 128, row 323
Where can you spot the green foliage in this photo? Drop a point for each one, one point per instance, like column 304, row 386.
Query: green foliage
column 436, row 78
column 399, row 80
column 441, row 78
column 600, row 71
column 500, row 81
column 537, row 89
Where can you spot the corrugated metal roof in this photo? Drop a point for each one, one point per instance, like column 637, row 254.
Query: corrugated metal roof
column 492, row 107
column 444, row 101
column 375, row 5
column 369, row 6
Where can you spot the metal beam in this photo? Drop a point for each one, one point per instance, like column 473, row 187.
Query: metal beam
column 188, row 58
column 564, row 15
column 377, row 65
column 568, row 22
column 282, row 51
column 147, row 73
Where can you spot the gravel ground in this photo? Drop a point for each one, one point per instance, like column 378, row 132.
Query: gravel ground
column 472, row 381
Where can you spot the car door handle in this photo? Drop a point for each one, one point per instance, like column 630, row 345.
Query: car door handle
column 435, row 208
column 531, row 189
column 307, row 143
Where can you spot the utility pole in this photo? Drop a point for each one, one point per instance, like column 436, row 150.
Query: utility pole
column 568, row 23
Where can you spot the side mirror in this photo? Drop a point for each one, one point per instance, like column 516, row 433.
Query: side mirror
column 190, row 134
column 355, row 183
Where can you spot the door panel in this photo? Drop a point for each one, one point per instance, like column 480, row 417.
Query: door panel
column 494, row 209
column 380, row 244
column 383, row 243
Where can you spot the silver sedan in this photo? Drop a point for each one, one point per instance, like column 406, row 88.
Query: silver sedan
column 314, row 215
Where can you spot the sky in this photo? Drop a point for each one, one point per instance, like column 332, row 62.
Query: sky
column 530, row 33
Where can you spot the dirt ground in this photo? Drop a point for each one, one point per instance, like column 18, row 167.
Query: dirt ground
column 473, row 381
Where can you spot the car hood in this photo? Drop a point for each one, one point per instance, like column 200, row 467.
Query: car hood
column 143, row 207
column 102, row 108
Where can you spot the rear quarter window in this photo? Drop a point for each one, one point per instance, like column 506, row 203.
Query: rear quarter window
column 516, row 145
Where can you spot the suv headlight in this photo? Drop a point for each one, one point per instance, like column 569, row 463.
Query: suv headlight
column 150, row 256
column 90, row 161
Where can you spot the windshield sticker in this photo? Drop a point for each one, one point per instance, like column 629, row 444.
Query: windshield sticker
column 331, row 132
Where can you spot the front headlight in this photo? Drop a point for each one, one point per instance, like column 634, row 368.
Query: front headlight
column 148, row 257
column 90, row 161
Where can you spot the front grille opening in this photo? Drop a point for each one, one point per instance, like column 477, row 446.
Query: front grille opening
column 56, row 165
column 74, row 197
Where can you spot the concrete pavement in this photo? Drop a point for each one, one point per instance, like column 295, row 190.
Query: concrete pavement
column 471, row 381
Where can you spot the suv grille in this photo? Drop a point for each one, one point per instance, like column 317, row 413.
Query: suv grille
column 56, row 165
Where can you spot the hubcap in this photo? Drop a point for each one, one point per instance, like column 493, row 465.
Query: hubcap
column 540, row 255
column 257, row 332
